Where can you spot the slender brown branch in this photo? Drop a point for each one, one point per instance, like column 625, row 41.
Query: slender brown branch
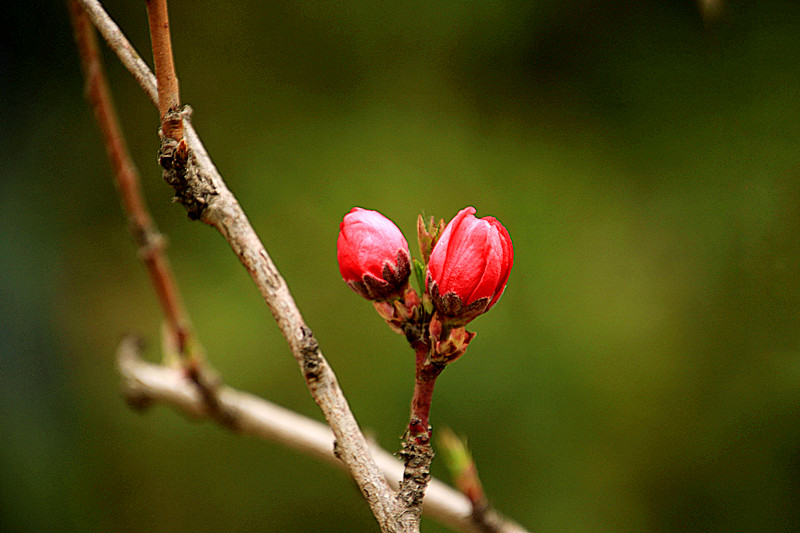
column 424, row 383
column 417, row 452
column 146, row 383
column 120, row 45
column 144, row 232
column 167, row 80
column 149, row 241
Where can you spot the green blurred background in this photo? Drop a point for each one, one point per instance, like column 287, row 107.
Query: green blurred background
column 642, row 372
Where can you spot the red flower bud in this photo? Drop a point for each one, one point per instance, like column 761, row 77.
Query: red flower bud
column 469, row 267
column 373, row 255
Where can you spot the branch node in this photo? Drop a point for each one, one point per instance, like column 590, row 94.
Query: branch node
column 337, row 450
column 417, row 457
column 193, row 189
column 309, row 349
column 149, row 241
column 172, row 125
column 209, row 384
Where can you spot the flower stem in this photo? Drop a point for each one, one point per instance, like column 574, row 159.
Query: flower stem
column 417, row 452
column 426, row 374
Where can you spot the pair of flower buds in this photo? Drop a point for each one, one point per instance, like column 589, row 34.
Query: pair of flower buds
column 468, row 264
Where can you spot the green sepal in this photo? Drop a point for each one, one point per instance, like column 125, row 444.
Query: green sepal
column 419, row 274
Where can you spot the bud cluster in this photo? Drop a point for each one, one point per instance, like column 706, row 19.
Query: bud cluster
column 466, row 267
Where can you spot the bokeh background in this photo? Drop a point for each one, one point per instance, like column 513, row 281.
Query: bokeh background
column 642, row 371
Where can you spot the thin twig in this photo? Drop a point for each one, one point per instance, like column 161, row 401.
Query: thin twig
column 120, row 45
column 149, row 241
column 167, row 80
column 146, row 383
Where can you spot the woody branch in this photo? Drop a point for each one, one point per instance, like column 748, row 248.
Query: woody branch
column 144, row 232
column 146, row 383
